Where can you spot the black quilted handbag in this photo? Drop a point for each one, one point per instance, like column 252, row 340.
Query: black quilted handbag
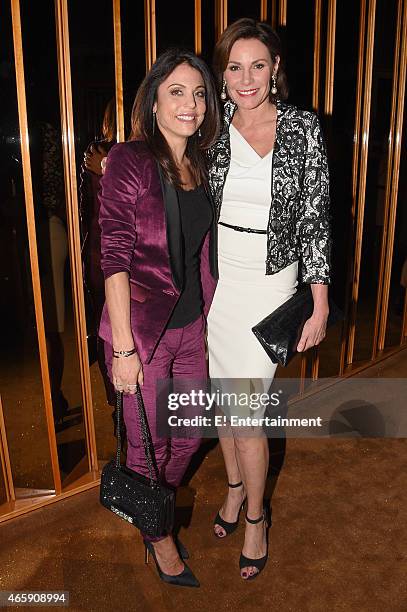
column 280, row 332
column 142, row 501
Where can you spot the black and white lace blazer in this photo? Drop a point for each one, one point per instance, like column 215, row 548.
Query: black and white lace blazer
column 299, row 221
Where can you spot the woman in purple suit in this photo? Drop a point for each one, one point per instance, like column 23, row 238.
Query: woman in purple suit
column 158, row 256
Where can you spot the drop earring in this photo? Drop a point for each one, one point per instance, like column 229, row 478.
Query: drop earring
column 223, row 92
column 274, row 85
column 153, row 122
column 199, row 133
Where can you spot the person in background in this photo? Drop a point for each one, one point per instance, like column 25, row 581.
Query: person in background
column 49, row 202
column 90, row 232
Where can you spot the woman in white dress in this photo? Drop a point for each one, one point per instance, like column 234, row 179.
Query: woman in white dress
column 269, row 178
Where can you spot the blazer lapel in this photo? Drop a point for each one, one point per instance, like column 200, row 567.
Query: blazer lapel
column 174, row 230
column 213, row 243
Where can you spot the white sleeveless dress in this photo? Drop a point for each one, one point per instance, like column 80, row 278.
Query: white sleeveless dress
column 245, row 294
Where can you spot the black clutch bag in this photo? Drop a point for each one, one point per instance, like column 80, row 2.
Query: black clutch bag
column 280, row 332
column 142, row 501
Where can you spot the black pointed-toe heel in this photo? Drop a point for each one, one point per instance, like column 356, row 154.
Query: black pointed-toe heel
column 186, row 578
column 227, row 526
column 259, row 564
column 183, row 553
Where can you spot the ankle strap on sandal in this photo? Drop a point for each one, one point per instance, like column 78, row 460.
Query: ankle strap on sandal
column 255, row 521
column 234, row 486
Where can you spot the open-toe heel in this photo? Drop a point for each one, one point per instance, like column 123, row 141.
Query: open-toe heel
column 259, row 564
column 226, row 525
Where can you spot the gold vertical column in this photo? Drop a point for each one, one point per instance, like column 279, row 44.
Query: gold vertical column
column 221, row 17
column 274, row 14
column 390, row 151
column 355, row 167
column 150, row 33
column 198, row 27
column 263, row 10
column 314, row 355
column 398, row 134
column 68, row 147
column 282, row 13
column 317, row 53
column 330, row 58
column 5, row 459
column 32, row 237
column 361, row 192
column 118, row 70
column 303, row 372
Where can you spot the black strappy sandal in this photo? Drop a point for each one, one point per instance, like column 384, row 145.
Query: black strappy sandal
column 228, row 527
column 259, row 564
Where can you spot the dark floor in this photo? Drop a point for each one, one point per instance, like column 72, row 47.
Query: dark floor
column 338, row 540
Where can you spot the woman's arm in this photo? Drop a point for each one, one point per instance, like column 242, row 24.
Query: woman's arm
column 118, row 235
column 125, row 370
column 313, row 227
column 315, row 327
column 314, row 234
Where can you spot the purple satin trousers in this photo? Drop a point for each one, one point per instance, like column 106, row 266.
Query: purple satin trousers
column 180, row 355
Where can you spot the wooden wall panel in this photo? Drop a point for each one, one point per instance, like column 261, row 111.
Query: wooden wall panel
column 361, row 176
column 71, row 190
column 32, row 236
column 395, row 139
column 150, row 33
column 117, row 33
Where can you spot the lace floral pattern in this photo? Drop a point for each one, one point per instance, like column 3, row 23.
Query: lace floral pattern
column 299, row 221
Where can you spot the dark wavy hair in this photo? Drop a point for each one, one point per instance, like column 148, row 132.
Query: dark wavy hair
column 142, row 116
column 250, row 28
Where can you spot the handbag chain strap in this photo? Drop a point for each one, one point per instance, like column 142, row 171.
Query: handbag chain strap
column 145, row 435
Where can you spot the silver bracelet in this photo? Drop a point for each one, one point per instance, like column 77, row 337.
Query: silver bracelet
column 118, row 354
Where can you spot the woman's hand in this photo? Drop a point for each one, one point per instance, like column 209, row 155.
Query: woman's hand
column 93, row 159
column 127, row 372
column 315, row 327
column 314, row 331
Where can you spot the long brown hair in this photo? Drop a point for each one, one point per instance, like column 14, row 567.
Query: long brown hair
column 250, row 28
column 109, row 121
column 142, row 116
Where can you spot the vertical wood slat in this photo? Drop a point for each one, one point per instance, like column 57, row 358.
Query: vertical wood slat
column 221, row 17
column 330, row 58
column 395, row 177
column 315, row 363
column 5, row 459
column 403, row 338
column 32, row 237
column 150, row 33
column 315, row 105
column 361, row 196
column 317, row 53
column 390, row 151
column 68, row 147
column 198, row 27
column 355, row 167
column 282, row 13
column 274, row 14
column 263, row 10
column 118, row 70
column 303, row 372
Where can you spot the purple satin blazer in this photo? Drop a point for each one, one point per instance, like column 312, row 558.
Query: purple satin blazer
column 141, row 234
